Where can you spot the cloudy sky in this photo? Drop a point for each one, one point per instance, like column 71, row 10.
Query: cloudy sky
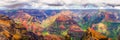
column 39, row 3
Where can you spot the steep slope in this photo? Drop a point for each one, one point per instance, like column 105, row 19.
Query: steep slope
column 63, row 24
column 30, row 22
column 91, row 34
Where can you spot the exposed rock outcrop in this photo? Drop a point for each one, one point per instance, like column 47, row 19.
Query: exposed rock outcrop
column 91, row 34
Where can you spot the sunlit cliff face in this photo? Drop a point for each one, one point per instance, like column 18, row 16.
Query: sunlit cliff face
column 102, row 28
column 5, row 21
column 5, row 27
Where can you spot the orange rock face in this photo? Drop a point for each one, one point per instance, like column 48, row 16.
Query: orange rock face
column 52, row 37
column 62, row 27
column 93, row 35
column 62, row 18
column 75, row 28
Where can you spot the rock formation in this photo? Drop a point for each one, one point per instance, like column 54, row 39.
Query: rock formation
column 91, row 34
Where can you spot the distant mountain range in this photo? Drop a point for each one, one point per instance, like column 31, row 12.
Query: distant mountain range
column 68, row 22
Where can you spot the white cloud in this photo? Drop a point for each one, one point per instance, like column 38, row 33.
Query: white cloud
column 38, row 3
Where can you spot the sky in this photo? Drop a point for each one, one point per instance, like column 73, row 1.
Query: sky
column 46, row 3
